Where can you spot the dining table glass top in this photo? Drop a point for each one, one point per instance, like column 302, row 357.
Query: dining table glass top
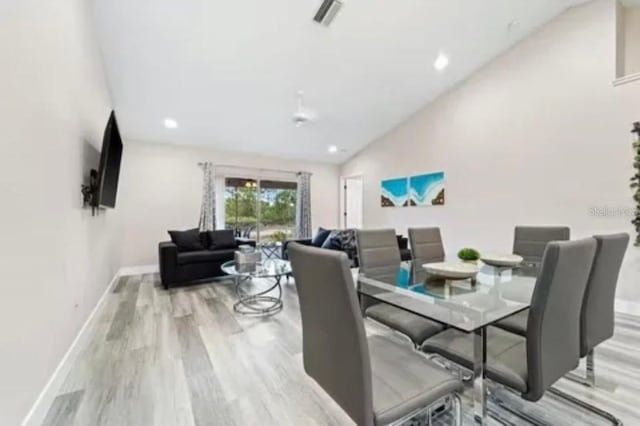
column 467, row 305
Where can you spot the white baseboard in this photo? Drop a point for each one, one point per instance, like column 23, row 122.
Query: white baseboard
column 38, row 411
column 627, row 307
column 137, row 270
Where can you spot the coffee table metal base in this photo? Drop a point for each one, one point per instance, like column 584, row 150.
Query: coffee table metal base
column 258, row 304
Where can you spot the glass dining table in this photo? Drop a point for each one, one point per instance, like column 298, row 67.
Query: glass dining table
column 469, row 305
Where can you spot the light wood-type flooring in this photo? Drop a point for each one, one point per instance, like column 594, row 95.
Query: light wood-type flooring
column 183, row 357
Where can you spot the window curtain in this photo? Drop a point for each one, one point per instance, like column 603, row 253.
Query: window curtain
column 208, row 209
column 303, row 206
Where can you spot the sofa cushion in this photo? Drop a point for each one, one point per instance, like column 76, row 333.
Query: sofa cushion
column 223, row 239
column 205, row 256
column 347, row 238
column 187, row 241
column 332, row 242
column 320, row 237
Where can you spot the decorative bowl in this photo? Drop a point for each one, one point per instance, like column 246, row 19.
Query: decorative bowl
column 502, row 259
column 452, row 270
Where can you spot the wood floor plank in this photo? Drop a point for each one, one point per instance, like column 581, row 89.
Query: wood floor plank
column 224, row 317
column 145, row 292
column 180, row 302
column 121, row 285
column 126, row 309
column 207, row 398
column 63, row 409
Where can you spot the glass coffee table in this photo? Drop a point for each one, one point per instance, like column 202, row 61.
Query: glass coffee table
column 258, row 303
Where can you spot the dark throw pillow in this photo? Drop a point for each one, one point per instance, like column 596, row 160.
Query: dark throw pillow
column 221, row 240
column 320, row 237
column 347, row 238
column 189, row 240
column 332, row 242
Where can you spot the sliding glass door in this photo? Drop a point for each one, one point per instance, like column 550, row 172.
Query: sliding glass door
column 277, row 210
column 260, row 209
column 241, row 207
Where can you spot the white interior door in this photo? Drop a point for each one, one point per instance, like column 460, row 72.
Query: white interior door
column 353, row 192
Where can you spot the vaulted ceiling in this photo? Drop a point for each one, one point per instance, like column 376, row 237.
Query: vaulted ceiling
column 228, row 71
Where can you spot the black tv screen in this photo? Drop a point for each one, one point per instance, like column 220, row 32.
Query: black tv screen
column 110, row 158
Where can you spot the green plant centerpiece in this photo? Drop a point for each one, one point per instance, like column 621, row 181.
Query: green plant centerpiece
column 635, row 182
column 279, row 236
column 469, row 255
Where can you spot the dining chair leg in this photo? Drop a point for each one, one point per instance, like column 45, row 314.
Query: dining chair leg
column 457, row 404
column 589, row 379
column 591, row 368
column 585, row 405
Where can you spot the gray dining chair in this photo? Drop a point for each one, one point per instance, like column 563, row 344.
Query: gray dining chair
column 376, row 381
column 426, row 245
column 379, row 258
column 530, row 241
column 597, row 317
column 552, row 346
column 597, row 321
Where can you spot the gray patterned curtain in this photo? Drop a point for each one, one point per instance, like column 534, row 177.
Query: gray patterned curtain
column 303, row 206
column 208, row 209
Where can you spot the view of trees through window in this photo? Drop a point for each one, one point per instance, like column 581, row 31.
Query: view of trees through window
column 264, row 209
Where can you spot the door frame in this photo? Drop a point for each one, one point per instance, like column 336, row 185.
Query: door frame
column 343, row 198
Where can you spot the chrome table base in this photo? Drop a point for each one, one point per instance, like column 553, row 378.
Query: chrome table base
column 479, row 379
column 258, row 304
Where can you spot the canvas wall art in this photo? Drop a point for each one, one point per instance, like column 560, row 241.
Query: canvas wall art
column 427, row 189
column 394, row 192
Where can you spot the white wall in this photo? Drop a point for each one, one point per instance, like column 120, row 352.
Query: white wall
column 539, row 136
column 161, row 189
column 631, row 44
column 55, row 259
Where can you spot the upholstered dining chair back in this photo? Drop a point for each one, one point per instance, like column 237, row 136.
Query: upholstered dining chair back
column 426, row 245
column 530, row 241
column 335, row 349
column 553, row 332
column 598, row 311
column 378, row 253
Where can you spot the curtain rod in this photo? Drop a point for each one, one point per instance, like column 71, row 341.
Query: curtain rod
column 259, row 169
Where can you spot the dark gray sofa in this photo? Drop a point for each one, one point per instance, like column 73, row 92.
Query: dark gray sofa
column 403, row 245
column 179, row 267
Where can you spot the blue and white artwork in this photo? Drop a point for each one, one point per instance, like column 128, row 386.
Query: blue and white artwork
column 394, row 192
column 427, row 189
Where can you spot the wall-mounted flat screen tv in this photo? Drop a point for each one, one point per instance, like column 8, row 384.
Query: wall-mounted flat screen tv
column 110, row 158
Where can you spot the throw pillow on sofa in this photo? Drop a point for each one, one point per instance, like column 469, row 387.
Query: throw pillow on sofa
column 332, row 242
column 320, row 237
column 221, row 240
column 347, row 238
column 189, row 240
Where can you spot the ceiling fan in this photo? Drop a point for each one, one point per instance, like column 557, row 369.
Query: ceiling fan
column 327, row 12
column 302, row 115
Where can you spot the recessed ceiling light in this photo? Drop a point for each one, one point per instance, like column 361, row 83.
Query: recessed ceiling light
column 442, row 61
column 332, row 149
column 170, row 123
